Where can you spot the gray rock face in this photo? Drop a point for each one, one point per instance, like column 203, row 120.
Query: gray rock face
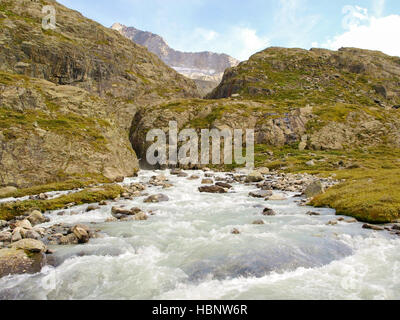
column 207, row 67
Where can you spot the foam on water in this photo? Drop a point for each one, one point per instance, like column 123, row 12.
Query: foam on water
column 186, row 251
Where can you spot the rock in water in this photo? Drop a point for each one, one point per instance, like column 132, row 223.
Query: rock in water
column 81, row 232
column 212, row 189
column 156, row 198
column 259, row 222
column 17, row 261
column 207, row 181
column 254, row 176
column 235, row 231
column 269, row 212
column 36, row 217
column 224, row 185
column 260, row 194
column 276, row 197
column 30, row 245
column 314, row 189
column 373, row 227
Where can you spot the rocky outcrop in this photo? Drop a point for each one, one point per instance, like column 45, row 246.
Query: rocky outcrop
column 68, row 96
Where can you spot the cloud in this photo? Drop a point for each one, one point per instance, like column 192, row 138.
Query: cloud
column 238, row 41
column 378, row 6
column 367, row 31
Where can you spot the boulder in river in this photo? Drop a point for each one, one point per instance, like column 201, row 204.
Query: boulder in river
column 212, row 189
column 259, row 222
column 68, row 239
column 81, row 232
column 36, row 217
column 18, row 261
column 235, row 231
column 260, row 194
column 314, row 189
column 24, row 224
column 268, row 212
column 276, row 197
column 5, row 236
column 30, row 245
column 207, row 181
column 224, row 185
column 254, row 176
column 156, row 198
column 373, row 227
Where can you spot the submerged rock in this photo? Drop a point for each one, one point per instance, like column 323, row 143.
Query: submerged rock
column 212, row 189
column 373, row 227
column 235, row 231
column 259, row 222
column 260, row 194
column 268, row 212
column 156, row 198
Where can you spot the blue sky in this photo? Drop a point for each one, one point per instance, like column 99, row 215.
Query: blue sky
column 242, row 28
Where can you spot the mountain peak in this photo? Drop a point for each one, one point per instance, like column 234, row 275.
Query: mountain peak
column 117, row 26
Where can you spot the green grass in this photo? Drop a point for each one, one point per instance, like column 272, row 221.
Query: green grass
column 70, row 184
column 10, row 210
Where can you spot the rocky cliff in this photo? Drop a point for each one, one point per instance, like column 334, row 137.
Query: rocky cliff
column 316, row 100
column 68, row 96
column 207, row 67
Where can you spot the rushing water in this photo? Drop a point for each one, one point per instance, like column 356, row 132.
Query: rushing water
column 186, row 251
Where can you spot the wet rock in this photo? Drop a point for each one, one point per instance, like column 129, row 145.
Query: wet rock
column 175, row 171
column 42, row 196
column 121, row 211
column 112, row 219
column 268, row 212
column 351, row 220
column 103, row 203
column 207, row 181
column 92, row 207
column 140, row 216
column 36, row 217
column 193, row 177
column 167, row 185
column 209, row 175
column 394, row 227
column 31, row 234
column 212, row 189
column 30, row 245
column 119, row 179
column 16, row 261
column 332, row 223
column 260, row 194
column 235, row 231
column 182, row 175
column 224, row 185
column 68, row 239
column 311, row 213
column 373, row 227
column 156, row 198
column 276, row 197
column 81, row 232
column 16, row 235
column 258, row 222
column 314, row 189
column 254, row 176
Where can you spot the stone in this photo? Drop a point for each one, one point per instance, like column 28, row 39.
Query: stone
column 351, row 220
column 207, row 181
column 372, row 227
column 182, row 174
column 42, row 196
column 3, row 224
column 141, row 216
column 224, row 185
column 24, row 224
column 310, row 163
column 254, row 176
column 259, row 222
column 36, row 217
column 92, row 207
column 30, row 245
column 103, row 203
column 7, row 190
column 212, row 189
column 175, row 171
column 268, row 212
column 69, row 239
column 193, row 177
column 16, row 235
column 235, row 231
column 263, row 170
column 260, row 194
column 156, row 198
column 5, row 236
column 332, row 223
column 119, row 179
column 314, row 189
column 15, row 261
column 81, row 233
column 394, row 227
column 31, row 234
column 311, row 213
column 276, row 197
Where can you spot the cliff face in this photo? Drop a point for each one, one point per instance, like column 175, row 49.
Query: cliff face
column 68, row 96
column 316, row 100
column 203, row 66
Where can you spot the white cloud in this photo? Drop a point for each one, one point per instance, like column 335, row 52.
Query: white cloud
column 238, row 41
column 369, row 32
column 377, row 7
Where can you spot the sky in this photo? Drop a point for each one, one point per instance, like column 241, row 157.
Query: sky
column 241, row 28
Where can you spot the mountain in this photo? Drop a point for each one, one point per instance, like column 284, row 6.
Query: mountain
column 207, row 67
column 68, row 96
